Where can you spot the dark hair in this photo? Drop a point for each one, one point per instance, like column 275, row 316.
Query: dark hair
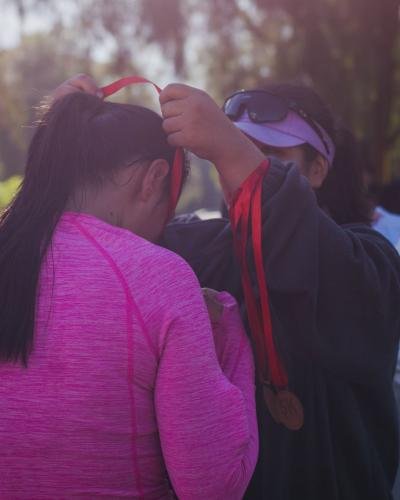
column 342, row 193
column 79, row 141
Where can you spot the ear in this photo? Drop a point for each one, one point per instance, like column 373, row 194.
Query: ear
column 153, row 183
column 318, row 171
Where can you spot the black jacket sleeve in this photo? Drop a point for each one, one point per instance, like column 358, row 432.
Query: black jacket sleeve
column 334, row 290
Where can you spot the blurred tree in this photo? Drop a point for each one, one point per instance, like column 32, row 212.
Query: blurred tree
column 350, row 49
column 27, row 73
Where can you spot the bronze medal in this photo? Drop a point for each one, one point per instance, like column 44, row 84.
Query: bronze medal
column 290, row 410
column 270, row 399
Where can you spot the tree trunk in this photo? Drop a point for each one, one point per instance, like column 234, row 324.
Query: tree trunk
column 387, row 18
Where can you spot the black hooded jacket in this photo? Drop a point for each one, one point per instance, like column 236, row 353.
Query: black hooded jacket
column 335, row 304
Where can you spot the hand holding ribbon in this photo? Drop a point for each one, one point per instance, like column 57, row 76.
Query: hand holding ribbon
column 194, row 121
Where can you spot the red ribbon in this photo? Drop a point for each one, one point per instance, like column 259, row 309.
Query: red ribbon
column 123, row 82
column 178, row 163
column 246, row 210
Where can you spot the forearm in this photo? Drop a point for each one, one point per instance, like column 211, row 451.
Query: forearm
column 207, row 422
column 237, row 162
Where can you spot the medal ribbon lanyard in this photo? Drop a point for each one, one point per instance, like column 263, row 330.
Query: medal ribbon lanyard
column 178, row 163
column 245, row 215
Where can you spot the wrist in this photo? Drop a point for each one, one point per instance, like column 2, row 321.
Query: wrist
column 237, row 163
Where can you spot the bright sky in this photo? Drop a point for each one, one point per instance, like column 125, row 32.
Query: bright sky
column 40, row 21
column 9, row 28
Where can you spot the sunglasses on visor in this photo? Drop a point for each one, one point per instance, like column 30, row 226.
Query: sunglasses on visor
column 263, row 107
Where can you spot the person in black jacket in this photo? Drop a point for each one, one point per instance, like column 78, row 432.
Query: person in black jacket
column 334, row 290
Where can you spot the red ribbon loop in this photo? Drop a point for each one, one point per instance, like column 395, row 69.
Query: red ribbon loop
column 123, row 82
column 179, row 158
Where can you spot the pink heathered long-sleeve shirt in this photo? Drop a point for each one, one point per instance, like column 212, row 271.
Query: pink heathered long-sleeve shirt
column 124, row 384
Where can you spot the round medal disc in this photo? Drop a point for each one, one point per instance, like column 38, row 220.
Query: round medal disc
column 290, row 410
column 271, row 402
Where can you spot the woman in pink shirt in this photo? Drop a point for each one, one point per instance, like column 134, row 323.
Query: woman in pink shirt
column 112, row 381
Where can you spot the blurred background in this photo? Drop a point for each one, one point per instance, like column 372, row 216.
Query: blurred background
column 349, row 50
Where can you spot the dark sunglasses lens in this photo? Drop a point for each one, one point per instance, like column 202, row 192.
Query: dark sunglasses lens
column 265, row 107
column 235, row 105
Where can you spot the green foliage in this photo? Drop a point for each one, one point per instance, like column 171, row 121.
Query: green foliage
column 8, row 189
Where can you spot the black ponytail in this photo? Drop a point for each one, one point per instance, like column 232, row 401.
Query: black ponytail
column 79, row 141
